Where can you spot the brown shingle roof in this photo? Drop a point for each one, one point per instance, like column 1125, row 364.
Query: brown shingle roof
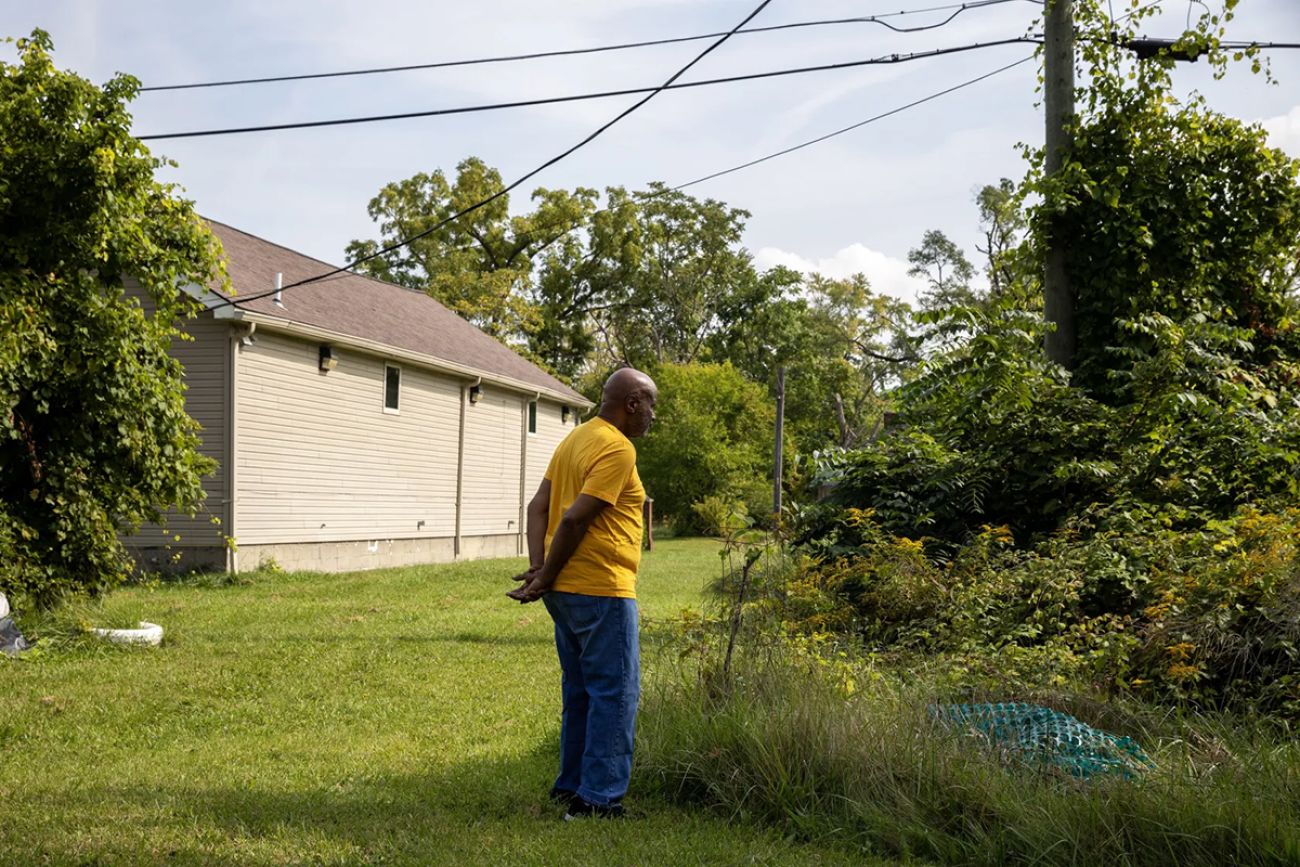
column 371, row 309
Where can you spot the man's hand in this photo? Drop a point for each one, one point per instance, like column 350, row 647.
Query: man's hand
column 535, row 584
column 527, row 575
column 568, row 533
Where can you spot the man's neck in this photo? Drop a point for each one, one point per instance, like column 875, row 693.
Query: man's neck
column 617, row 423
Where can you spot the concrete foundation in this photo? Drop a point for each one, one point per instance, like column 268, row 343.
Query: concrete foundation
column 373, row 554
column 327, row 556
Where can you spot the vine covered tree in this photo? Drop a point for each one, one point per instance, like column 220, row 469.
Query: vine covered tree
column 94, row 438
column 1166, row 206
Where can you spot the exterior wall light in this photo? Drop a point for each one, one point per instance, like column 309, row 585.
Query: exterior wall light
column 327, row 360
column 564, row 414
column 475, row 393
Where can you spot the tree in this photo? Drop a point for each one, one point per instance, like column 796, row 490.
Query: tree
column 687, row 280
column 1184, row 233
column 1003, row 224
column 580, row 278
column 843, row 347
column 481, row 265
column 859, row 350
column 945, row 268
column 94, row 439
column 713, row 436
column 645, row 280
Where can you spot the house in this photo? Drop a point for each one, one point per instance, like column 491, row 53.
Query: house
column 356, row 424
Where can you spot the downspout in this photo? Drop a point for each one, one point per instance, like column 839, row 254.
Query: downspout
column 521, row 547
column 238, row 335
column 460, row 461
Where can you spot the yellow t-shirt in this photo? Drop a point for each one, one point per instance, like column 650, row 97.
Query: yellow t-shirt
column 597, row 460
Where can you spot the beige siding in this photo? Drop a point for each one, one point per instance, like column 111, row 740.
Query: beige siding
column 206, row 363
column 551, row 429
column 319, row 460
column 493, row 430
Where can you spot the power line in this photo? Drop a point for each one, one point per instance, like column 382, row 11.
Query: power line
column 1190, row 4
column 718, row 174
column 525, row 103
column 955, row 9
column 552, row 161
column 1259, row 45
column 1152, row 5
column 857, row 125
column 830, row 135
column 1148, row 47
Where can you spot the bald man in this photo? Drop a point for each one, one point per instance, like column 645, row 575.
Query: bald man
column 584, row 545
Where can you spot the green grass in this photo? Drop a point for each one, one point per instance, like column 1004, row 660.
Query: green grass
column 399, row 716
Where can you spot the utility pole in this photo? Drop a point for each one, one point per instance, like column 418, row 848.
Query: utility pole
column 777, row 470
column 1058, row 104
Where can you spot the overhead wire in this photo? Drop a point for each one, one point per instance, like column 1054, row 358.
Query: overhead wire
column 651, row 92
column 527, row 103
column 1260, row 45
column 736, row 168
column 1127, row 15
column 821, row 138
column 1190, row 4
column 859, row 124
column 504, row 190
column 955, row 9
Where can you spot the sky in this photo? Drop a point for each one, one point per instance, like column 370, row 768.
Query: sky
column 857, row 202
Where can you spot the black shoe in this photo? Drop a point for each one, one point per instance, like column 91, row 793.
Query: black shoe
column 580, row 809
column 565, row 798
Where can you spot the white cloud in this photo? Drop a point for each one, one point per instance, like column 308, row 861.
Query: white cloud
column 1284, row 131
column 887, row 274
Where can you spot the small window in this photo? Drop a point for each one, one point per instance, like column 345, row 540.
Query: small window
column 392, row 387
column 532, row 416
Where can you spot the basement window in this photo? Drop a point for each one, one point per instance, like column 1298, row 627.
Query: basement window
column 532, row 416
column 392, row 387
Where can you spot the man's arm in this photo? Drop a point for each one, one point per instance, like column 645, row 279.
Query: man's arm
column 539, row 514
column 573, row 526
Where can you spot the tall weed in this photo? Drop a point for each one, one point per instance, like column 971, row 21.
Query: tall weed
column 786, row 742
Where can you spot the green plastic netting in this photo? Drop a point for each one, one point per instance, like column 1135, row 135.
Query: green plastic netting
column 1044, row 737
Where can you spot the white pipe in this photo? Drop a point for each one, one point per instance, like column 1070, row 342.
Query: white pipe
column 279, row 284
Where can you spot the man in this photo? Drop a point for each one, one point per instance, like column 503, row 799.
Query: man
column 584, row 545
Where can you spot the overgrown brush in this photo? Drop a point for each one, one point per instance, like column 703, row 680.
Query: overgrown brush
column 1121, row 602
column 789, row 741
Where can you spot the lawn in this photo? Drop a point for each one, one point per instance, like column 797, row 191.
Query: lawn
column 398, row 716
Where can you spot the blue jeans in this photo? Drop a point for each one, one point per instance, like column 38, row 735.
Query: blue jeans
column 600, row 658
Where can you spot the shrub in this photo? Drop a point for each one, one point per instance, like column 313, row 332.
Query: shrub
column 713, row 436
column 756, row 496
column 1122, row 601
column 1222, row 623
column 992, row 434
column 719, row 516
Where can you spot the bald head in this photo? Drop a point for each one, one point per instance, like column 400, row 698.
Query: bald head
column 624, row 383
column 628, row 401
